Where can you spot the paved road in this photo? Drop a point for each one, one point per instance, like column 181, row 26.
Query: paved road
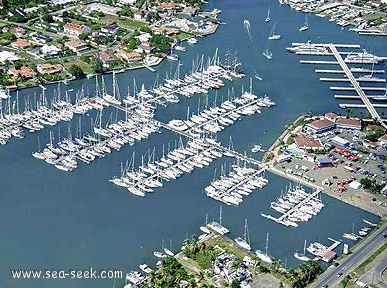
column 349, row 263
column 374, row 274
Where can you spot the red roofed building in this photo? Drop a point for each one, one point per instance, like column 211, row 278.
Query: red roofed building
column 75, row 29
column 47, row 68
column 167, row 6
column 24, row 71
column 348, row 123
column 129, row 56
column 320, row 126
column 105, row 58
column 21, row 43
column 304, row 142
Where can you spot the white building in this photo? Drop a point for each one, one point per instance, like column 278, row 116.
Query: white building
column 50, row 50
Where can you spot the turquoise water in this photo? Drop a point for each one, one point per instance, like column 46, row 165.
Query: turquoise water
column 51, row 219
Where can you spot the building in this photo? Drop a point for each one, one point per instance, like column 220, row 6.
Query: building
column 43, row 39
column 8, row 56
column 339, row 142
column 167, row 6
column 331, row 116
column 21, row 44
column 24, row 71
column 348, row 123
column 295, row 151
column 383, row 140
column 320, row 126
column 75, row 29
column 105, row 58
column 50, row 50
column 129, row 56
column 48, row 68
column 306, row 143
column 18, row 31
column 283, row 158
column 77, row 46
column 145, row 47
column 99, row 7
column 110, row 30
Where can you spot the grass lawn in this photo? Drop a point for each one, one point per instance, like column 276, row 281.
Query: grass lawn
column 361, row 268
column 228, row 246
column 125, row 23
column 84, row 66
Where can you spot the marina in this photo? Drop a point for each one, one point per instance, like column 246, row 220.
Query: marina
column 296, row 205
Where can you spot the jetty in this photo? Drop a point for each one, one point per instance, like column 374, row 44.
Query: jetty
column 353, row 70
column 338, row 88
column 318, row 62
column 364, row 79
column 344, row 106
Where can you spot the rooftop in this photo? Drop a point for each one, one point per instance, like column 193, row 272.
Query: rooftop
column 348, row 121
column 322, row 123
column 303, row 141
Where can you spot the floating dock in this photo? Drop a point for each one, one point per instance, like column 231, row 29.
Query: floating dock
column 375, row 80
column 338, row 88
column 352, row 70
column 361, row 106
column 318, row 62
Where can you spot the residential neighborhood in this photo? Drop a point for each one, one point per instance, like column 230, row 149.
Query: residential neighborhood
column 40, row 44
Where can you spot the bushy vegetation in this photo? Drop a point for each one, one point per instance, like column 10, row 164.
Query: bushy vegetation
column 305, row 274
column 371, row 185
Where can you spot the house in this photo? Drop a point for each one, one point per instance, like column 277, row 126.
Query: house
column 75, row 29
column 18, row 31
column 47, row 68
column 320, row 126
column 189, row 10
column 306, row 143
column 24, row 71
column 129, row 56
column 40, row 38
column 21, row 44
column 50, row 50
column 110, row 30
column 77, row 45
column 383, row 140
column 348, row 123
column 99, row 7
column 8, row 56
column 167, row 6
column 145, row 47
column 105, row 58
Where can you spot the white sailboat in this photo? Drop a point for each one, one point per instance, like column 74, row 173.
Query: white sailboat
column 274, row 36
column 172, row 56
column 305, row 27
column 264, row 256
column 302, row 256
column 268, row 15
column 267, row 53
column 245, row 241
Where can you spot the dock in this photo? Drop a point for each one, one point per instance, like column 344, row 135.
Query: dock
column 301, row 203
column 338, row 88
column 375, row 80
column 360, row 90
column 361, row 106
column 318, row 62
column 333, row 71
column 258, row 172
column 150, row 68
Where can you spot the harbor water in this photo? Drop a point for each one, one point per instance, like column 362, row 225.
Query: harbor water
column 51, row 219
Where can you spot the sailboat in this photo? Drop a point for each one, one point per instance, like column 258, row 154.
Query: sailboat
column 204, row 229
column 159, row 254
column 268, row 15
column 274, row 36
column 172, row 56
column 264, row 256
column 245, row 241
column 305, row 27
column 167, row 251
column 302, row 256
column 267, row 53
column 217, row 227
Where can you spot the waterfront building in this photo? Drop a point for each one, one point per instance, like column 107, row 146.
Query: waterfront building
column 320, row 126
column 331, row 116
column 294, row 151
column 129, row 56
column 105, row 58
column 24, row 71
column 348, row 123
column 47, row 68
column 307, row 143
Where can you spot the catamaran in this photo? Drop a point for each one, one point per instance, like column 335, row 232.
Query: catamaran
column 274, row 36
column 305, row 27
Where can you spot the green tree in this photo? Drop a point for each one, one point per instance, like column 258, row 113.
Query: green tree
column 76, row 71
column 83, row 36
column 8, row 36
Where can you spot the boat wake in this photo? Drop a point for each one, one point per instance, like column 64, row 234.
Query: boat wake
column 257, row 76
column 246, row 24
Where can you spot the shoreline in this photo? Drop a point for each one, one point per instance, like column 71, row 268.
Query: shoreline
column 360, row 198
